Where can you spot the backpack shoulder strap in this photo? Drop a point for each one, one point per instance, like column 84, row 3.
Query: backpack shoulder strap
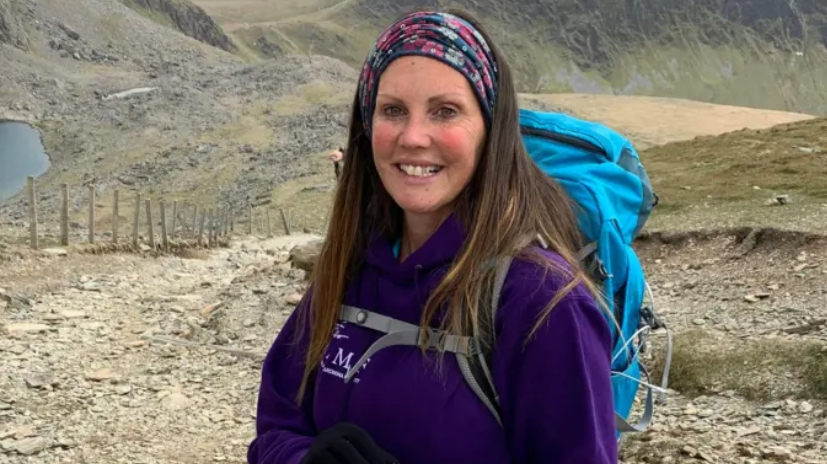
column 475, row 368
column 478, row 375
column 401, row 333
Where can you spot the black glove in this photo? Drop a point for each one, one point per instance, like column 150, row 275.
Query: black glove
column 345, row 443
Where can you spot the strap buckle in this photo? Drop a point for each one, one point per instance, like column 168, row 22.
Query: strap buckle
column 436, row 339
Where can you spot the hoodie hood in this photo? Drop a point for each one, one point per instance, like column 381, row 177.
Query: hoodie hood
column 438, row 252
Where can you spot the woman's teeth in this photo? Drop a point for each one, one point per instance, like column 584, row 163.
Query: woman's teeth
column 419, row 171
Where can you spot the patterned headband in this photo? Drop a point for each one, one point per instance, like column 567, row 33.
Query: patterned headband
column 442, row 36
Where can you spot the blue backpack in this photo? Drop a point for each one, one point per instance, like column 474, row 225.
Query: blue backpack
column 602, row 173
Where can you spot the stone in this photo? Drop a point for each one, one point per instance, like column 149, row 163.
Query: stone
column 293, row 299
column 25, row 328
column 101, row 375
column 304, row 256
column 31, row 445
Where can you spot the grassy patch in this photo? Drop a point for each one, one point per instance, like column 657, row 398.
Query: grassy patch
column 308, row 199
column 311, row 95
column 231, row 12
column 766, row 369
column 735, row 174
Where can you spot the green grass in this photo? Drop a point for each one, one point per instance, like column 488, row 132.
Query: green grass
column 787, row 158
column 227, row 12
column 761, row 370
column 730, row 180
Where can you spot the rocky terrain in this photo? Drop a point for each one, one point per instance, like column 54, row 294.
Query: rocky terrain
column 124, row 358
column 204, row 126
column 11, row 29
column 88, row 375
column 749, row 374
column 186, row 17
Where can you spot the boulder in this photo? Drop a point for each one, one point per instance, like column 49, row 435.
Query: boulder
column 304, row 256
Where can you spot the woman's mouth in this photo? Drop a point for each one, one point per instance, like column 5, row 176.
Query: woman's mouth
column 419, row 171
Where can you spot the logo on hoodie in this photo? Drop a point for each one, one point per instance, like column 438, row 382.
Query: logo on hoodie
column 339, row 359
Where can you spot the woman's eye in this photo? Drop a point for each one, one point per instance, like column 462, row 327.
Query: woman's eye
column 446, row 112
column 392, row 111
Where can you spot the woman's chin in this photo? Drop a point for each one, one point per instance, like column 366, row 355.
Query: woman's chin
column 423, row 206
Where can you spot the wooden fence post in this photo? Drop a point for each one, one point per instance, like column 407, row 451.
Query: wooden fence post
column 164, row 239
column 115, row 216
column 269, row 228
column 136, row 219
column 210, row 227
column 150, row 227
column 174, row 217
column 64, row 215
column 219, row 215
column 285, row 220
column 215, row 227
column 91, row 214
column 194, row 233
column 250, row 218
column 228, row 218
column 201, row 227
column 32, row 213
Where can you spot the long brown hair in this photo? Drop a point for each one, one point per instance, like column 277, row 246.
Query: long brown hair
column 518, row 202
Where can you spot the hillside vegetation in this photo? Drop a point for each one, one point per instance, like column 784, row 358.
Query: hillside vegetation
column 751, row 177
column 787, row 158
column 218, row 127
column 758, row 53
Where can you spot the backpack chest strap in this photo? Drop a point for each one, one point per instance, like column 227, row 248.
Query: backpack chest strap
column 401, row 333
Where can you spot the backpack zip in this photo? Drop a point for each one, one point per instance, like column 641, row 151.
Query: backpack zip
column 562, row 138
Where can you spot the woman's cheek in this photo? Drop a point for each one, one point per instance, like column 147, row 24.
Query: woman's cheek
column 383, row 136
column 458, row 143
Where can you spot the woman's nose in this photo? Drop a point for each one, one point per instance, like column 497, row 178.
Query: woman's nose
column 416, row 132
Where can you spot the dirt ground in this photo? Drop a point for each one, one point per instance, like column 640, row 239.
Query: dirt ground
column 96, row 367
column 650, row 121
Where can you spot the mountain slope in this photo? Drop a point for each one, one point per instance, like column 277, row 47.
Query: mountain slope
column 11, row 29
column 188, row 18
column 760, row 53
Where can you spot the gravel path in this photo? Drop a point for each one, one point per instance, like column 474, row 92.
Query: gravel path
column 80, row 381
column 88, row 376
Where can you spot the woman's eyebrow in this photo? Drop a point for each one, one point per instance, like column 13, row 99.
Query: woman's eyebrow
column 387, row 96
column 453, row 96
column 456, row 96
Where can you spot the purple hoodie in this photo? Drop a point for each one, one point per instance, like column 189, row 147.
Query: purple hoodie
column 555, row 391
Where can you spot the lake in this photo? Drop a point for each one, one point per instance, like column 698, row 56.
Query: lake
column 21, row 155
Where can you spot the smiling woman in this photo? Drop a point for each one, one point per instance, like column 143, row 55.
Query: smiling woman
column 427, row 133
column 21, row 155
column 436, row 187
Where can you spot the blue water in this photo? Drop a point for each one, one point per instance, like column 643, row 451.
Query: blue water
column 21, row 155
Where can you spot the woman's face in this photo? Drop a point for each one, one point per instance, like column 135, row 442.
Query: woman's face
column 427, row 133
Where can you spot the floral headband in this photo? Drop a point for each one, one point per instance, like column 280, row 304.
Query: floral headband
column 442, row 36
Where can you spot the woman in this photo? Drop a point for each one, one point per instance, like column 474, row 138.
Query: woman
column 336, row 157
column 436, row 185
